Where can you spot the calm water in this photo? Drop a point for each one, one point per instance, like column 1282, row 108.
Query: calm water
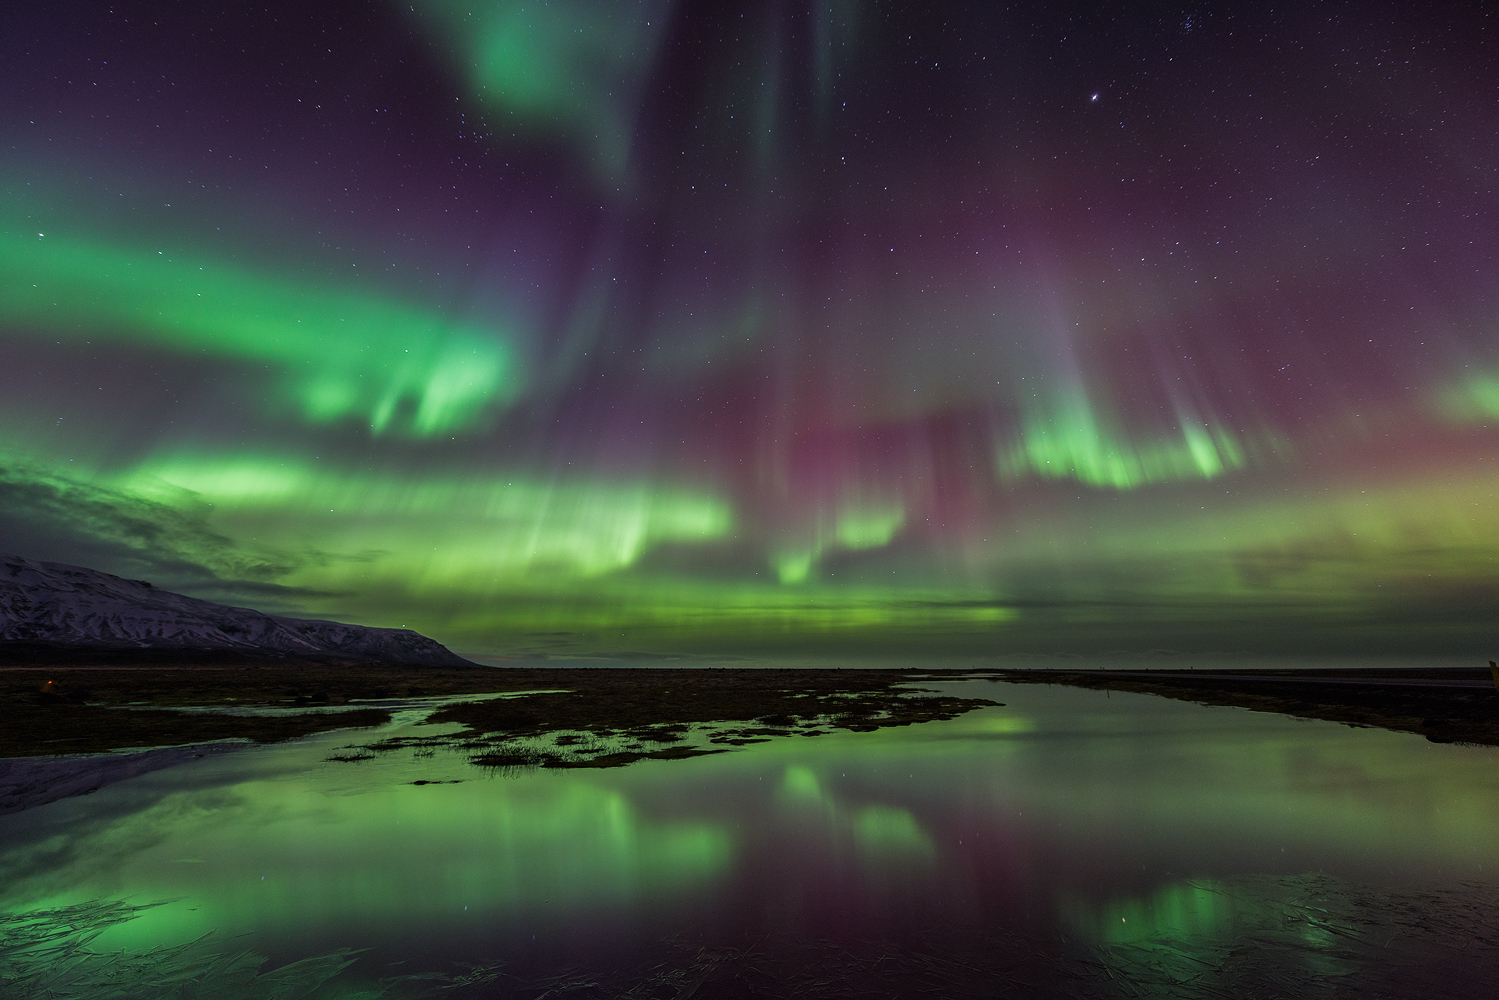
column 1068, row 843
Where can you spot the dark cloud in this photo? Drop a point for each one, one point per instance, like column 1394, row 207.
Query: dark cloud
column 57, row 519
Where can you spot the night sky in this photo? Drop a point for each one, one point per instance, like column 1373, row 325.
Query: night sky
column 764, row 328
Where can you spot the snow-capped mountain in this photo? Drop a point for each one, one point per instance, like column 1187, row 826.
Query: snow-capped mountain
column 42, row 602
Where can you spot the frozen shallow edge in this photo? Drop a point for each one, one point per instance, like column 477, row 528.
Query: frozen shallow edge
column 28, row 782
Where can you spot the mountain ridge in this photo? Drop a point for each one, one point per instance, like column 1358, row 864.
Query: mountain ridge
column 55, row 604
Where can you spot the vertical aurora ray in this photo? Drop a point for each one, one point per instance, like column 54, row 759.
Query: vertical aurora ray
column 683, row 327
column 572, row 69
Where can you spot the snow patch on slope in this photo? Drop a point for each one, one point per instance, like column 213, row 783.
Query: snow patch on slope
column 55, row 603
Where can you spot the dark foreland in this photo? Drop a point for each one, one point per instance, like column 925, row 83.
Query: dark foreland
column 82, row 704
column 65, row 707
column 94, row 662
column 1444, row 704
column 91, row 662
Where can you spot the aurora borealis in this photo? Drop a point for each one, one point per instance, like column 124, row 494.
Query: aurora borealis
column 597, row 327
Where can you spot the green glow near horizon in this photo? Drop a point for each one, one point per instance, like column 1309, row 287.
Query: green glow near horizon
column 686, row 615
column 340, row 354
column 487, row 561
column 794, row 566
column 483, row 562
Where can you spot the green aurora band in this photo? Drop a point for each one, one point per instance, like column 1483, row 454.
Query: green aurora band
column 342, row 353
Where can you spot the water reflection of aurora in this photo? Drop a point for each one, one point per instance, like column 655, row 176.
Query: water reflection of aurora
column 1056, row 836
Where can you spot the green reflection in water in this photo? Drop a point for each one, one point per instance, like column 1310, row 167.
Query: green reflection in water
column 298, row 856
column 882, row 833
column 48, row 954
column 1127, row 779
column 1212, row 932
column 800, row 784
column 1176, row 910
column 887, row 830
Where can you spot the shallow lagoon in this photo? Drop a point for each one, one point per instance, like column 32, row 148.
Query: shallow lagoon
column 1070, row 843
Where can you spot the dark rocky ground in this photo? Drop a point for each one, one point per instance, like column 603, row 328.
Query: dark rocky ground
column 95, row 703
column 610, row 717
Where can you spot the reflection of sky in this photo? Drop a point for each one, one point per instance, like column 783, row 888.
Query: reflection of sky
column 679, row 326
column 1062, row 806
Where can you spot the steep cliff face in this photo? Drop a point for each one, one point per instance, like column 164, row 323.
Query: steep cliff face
column 43, row 602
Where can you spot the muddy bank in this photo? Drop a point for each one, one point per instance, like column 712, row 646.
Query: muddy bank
column 91, row 709
column 613, row 717
column 26, row 782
